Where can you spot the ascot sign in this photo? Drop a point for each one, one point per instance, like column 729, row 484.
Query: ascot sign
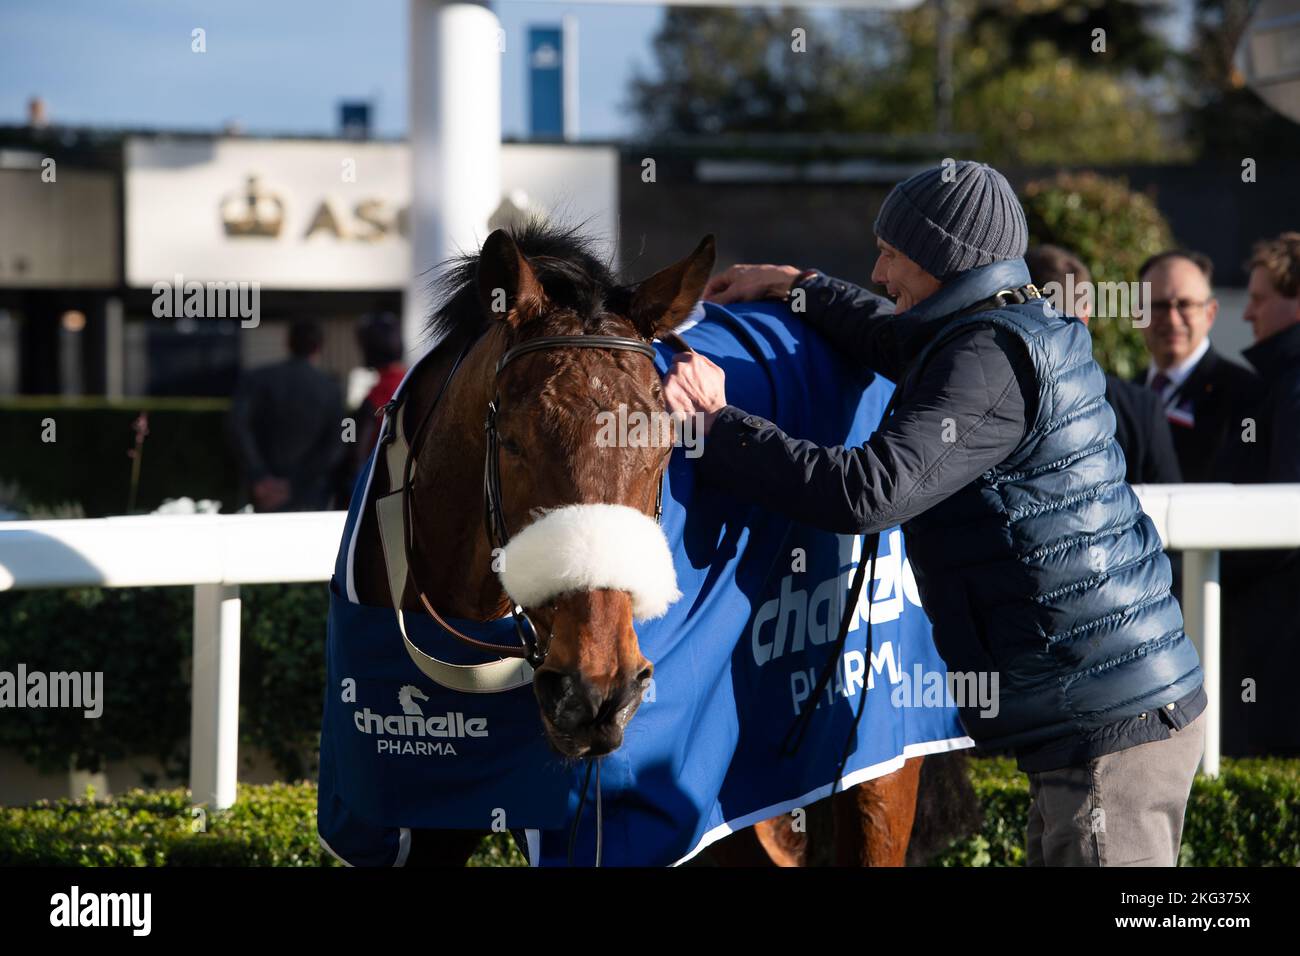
column 257, row 212
column 285, row 214
column 320, row 214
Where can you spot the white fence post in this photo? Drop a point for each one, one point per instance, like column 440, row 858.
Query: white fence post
column 214, row 686
column 1201, row 599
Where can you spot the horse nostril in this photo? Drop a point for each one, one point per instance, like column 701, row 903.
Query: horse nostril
column 551, row 687
column 647, row 672
column 565, row 699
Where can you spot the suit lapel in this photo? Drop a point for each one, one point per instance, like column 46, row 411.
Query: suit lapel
column 1194, row 385
column 1182, row 409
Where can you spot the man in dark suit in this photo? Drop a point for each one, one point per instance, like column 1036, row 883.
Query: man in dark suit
column 1273, row 311
column 1140, row 426
column 1205, row 396
column 286, row 423
column 1261, row 608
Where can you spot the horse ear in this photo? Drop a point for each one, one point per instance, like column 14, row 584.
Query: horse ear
column 506, row 282
column 662, row 301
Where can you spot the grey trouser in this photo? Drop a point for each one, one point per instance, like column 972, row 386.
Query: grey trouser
column 1120, row 809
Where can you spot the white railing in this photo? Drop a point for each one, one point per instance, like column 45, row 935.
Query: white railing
column 217, row 553
column 1201, row 521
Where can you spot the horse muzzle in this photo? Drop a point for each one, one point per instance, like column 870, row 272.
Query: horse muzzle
column 588, row 548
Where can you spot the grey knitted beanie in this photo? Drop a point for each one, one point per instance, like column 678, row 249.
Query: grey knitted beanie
column 949, row 223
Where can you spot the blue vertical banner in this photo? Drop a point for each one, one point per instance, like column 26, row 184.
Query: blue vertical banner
column 546, row 82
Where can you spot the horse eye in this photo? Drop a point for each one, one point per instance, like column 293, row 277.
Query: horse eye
column 511, row 447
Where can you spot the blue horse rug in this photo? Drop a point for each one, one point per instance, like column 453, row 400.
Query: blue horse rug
column 736, row 660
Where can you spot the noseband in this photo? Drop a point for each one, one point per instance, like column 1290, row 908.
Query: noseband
column 495, row 516
column 396, row 512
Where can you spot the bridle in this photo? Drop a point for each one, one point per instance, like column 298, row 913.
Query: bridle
column 498, row 534
column 395, row 513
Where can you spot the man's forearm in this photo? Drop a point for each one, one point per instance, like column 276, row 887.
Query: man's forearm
column 828, row 488
column 951, row 429
column 856, row 321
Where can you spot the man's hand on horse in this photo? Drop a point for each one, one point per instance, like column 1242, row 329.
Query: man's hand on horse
column 695, row 385
column 749, row 283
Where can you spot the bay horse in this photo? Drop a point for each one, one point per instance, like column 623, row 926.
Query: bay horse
column 542, row 282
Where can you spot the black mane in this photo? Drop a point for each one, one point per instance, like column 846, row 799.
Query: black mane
column 563, row 259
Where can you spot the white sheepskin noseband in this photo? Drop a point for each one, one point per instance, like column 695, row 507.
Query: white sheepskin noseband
column 587, row 547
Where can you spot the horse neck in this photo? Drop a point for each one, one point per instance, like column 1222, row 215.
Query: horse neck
column 450, row 534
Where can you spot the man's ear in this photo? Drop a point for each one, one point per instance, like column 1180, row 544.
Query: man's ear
column 507, row 285
column 662, row 301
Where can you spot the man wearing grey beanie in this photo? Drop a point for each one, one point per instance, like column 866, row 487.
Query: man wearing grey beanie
column 1032, row 555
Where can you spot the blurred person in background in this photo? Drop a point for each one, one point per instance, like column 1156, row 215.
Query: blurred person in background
column 1204, row 394
column 1273, row 311
column 1261, row 608
column 286, row 425
column 380, row 339
column 1140, row 425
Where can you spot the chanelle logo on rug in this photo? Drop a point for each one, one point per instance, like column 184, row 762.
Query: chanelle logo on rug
column 412, row 723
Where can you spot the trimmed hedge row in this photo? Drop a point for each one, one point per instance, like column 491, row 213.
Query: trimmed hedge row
column 269, row 825
column 1113, row 229
column 187, row 452
column 141, row 639
column 1248, row 816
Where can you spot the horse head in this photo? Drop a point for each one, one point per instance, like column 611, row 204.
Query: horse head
column 579, row 442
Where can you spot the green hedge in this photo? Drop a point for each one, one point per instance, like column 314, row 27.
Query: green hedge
column 1249, row 816
column 186, row 454
column 268, row 826
column 1113, row 229
column 272, row 825
column 141, row 639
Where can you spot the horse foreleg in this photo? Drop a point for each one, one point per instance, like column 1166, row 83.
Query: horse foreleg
column 782, row 842
column 867, row 825
column 873, row 820
column 443, row 847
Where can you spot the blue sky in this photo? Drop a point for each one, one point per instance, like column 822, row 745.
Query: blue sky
column 278, row 65
column 281, row 66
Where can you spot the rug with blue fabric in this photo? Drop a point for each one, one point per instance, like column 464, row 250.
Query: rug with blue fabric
column 736, row 660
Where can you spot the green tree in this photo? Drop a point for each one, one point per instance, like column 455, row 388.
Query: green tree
column 1113, row 230
column 1049, row 111
column 1134, row 39
column 1226, row 120
column 1028, row 86
column 734, row 70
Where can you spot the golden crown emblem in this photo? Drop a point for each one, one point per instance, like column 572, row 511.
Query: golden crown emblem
column 253, row 212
